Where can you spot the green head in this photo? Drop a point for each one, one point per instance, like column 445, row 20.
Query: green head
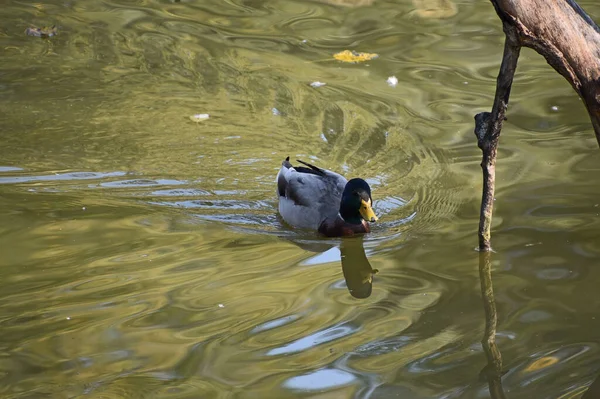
column 357, row 204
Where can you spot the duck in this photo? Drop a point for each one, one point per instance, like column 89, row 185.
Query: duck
column 324, row 201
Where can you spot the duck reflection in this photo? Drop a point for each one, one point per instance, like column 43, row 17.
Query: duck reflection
column 356, row 268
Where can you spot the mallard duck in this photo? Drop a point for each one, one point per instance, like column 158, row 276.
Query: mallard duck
column 324, row 201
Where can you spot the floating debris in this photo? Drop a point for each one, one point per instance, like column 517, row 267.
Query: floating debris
column 221, row 305
column 199, row 117
column 392, row 81
column 353, row 56
column 317, row 84
column 275, row 111
column 44, row 32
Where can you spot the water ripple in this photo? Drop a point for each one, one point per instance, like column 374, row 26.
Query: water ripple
column 142, row 253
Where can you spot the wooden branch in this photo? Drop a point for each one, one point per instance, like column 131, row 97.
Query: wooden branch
column 487, row 129
column 493, row 370
column 566, row 36
column 569, row 39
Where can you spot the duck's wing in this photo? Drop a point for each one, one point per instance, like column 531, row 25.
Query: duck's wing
column 308, row 195
column 336, row 181
column 310, row 186
column 306, row 181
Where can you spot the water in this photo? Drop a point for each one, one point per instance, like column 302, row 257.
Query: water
column 142, row 254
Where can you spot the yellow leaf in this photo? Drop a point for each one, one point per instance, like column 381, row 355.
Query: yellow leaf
column 353, row 56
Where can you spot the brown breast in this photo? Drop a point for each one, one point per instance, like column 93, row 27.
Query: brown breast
column 339, row 228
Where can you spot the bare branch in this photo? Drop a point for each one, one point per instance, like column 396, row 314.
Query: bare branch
column 487, row 130
column 569, row 40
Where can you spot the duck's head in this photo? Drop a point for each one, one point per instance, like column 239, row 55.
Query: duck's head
column 357, row 204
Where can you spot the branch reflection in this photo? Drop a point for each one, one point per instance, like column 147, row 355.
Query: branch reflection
column 593, row 392
column 493, row 370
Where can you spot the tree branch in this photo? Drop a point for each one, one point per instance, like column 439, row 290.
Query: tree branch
column 566, row 36
column 569, row 40
column 487, row 129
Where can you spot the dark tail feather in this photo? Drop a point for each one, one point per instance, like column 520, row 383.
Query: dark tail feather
column 286, row 163
column 318, row 171
column 281, row 182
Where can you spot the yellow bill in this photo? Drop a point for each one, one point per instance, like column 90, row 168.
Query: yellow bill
column 366, row 211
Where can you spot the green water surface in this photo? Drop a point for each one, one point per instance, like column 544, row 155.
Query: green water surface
column 141, row 254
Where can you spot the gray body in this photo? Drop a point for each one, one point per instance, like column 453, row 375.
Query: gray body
column 308, row 196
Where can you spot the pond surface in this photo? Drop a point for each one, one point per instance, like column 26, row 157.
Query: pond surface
column 141, row 251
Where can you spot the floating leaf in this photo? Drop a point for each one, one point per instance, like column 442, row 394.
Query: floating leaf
column 353, row 56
